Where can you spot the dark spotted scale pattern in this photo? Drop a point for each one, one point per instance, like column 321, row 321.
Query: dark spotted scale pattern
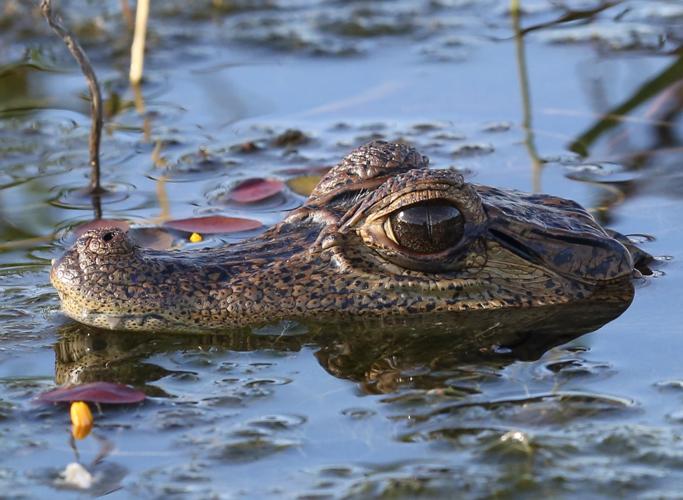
column 333, row 258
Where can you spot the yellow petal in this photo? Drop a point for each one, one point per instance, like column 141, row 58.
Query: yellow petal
column 81, row 419
column 304, row 184
column 196, row 237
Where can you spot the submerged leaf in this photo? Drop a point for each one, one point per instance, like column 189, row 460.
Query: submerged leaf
column 290, row 137
column 155, row 238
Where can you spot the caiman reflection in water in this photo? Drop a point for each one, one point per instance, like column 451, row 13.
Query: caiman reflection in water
column 374, row 355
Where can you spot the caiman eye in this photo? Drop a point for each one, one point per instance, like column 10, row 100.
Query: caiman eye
column 426, row 227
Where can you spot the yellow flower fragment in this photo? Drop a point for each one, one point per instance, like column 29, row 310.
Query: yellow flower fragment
column 81, row 419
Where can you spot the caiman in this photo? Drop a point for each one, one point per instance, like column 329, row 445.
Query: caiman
column 382, row 236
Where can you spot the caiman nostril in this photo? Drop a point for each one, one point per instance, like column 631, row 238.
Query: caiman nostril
column 107, row 236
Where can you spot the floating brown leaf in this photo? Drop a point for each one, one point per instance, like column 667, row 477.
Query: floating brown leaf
column 253, row 190
column 214, row 224
column 94, row 392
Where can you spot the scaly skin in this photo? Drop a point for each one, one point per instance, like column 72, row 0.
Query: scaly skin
column 333, row 257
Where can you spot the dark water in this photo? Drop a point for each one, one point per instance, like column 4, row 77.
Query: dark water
column 354, row 413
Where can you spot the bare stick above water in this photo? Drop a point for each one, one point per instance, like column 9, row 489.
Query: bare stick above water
column 93, row 86
column 137, row 49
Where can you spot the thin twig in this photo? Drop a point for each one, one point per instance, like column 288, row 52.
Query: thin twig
column 127, row 14
column 93, row 86
column 572, row 15
column 96, row 199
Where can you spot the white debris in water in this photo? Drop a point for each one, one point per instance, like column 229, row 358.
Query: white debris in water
column 75, row 476
column 515, row 436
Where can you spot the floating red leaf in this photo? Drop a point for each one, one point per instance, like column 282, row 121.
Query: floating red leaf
column 98, row 224
column 253, row 190
column 213, row 224
column 95, row 392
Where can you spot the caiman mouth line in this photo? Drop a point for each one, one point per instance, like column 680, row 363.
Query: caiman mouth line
column 381, row 236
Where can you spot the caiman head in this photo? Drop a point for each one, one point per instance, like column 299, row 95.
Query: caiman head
column 381, row 236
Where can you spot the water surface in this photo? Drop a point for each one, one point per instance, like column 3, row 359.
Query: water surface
column 352, row 414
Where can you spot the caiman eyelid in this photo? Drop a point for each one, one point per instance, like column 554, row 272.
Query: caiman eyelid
column 389, row 230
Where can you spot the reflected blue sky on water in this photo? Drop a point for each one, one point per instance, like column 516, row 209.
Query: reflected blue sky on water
column 275, row 422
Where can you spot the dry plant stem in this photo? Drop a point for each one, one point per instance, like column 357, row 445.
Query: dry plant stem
column 96, row 199
column 93, row 86
column 137, row 49
column 529, row 141
column 127, row 14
